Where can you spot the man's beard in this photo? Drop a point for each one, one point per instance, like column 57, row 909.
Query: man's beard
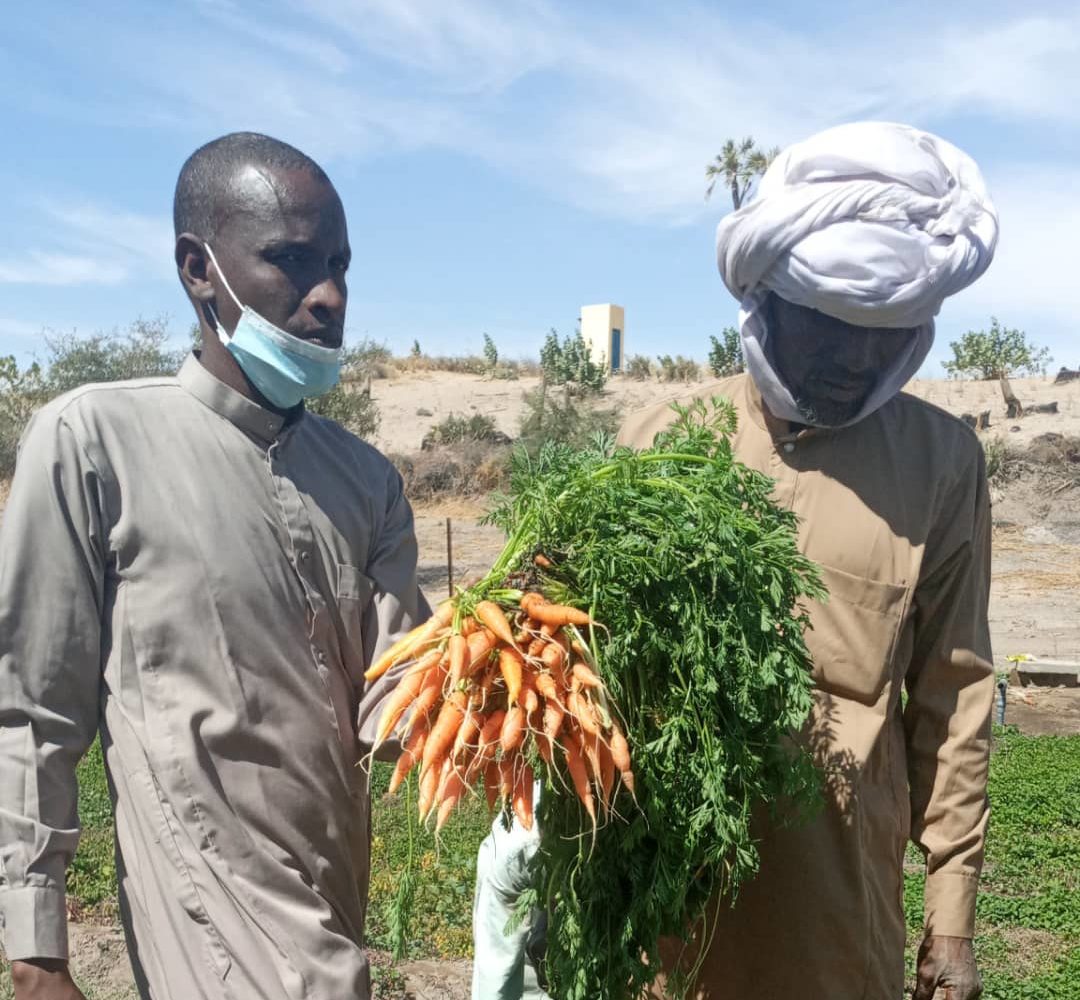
column 825, row 412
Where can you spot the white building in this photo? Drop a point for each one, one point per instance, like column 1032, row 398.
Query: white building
column 603, row 328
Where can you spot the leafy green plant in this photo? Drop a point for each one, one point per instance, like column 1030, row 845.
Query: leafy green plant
column 457, row 428
column 71, row 361
column 140, row 352
column 552, row 416
column 994, row 353
column 22, row 391
column 1030, row 888
column 725, row 354
column 491, row 353
column 570, row 363
column 349, row 403
column 696, row 576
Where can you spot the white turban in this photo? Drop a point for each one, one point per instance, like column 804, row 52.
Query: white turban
column 871, row 223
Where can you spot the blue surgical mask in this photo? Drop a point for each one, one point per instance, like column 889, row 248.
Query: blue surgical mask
column 284, row 368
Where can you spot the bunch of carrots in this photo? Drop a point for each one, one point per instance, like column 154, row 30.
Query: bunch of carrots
column 496, row 689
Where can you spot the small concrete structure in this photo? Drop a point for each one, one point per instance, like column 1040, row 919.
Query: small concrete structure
column 1045, row 673
column 603, row 328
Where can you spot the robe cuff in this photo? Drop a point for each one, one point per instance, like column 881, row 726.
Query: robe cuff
column 35, row 923
column 949, row 904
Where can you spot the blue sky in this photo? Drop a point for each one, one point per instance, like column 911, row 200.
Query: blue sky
column 504, row 163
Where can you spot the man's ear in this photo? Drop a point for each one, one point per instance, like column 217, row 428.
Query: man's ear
column 193, row 265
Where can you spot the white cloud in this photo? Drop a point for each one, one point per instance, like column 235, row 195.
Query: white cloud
column 38, row 267
column 143, row 240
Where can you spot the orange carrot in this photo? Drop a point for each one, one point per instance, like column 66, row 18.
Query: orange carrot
column 523, row 797
column 466, row 735
column 576, row 766
column 542, row 560
column 558, row 614
column 429, row 783
column 445, row 772
column 513, row 729
column 404, row 695
column 531, row 599
column 409, row 756
column 536, row 647
column 586, row 716
column 591, row 753
column 506, row 775
column 403, row 648
column 489, row 734
column 491, row 784
column 445, row 729
column 455, row 788
column 607, row 773
column 469, row 625
column 511, row 665
column 489, row 614
column 553, row 655
column 458, row 650
column 481, row 644
column 620, row 755
column 553, row 720
column 429, row 696
column 586, row 676
column 546, row 685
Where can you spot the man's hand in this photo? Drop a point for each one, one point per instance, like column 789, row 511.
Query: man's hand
column 947, row 963
column 44, row 979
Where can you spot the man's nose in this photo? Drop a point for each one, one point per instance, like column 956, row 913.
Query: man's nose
column 860, row 356
column 326, row 296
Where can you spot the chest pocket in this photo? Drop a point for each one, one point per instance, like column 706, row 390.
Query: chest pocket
column 354, row 593
column 854, row 635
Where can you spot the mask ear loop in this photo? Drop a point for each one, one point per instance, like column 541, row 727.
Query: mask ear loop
column 222, row 334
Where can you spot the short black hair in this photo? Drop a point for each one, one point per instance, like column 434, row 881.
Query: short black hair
column 206, row 175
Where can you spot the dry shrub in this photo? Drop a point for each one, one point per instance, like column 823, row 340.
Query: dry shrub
column 1054, row 450
column 469, row 468
column 467, row 365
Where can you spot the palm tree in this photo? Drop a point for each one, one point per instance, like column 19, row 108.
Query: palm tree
column 738, row 164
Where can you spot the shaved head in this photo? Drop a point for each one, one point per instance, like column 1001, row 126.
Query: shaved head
column 217, row 179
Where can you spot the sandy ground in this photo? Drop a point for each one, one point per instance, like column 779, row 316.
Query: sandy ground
column 1035, row 601
column 411, row 404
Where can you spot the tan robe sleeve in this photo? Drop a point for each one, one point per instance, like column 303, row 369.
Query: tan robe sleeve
column 52, row 570
column 396, row 606
column 950, row 686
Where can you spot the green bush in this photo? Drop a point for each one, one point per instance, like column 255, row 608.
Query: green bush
column 569, row 363
column 141, row 352
column 491, row 354
column 725, row 354
column 996, row 353
column 21, row 392
column 72, row 361
column 568, row 420
column 456, row 428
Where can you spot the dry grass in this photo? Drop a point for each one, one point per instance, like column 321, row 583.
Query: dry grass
column 1040, row 580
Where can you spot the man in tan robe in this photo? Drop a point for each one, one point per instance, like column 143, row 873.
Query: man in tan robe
column 201, row 570
column 892, row 502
